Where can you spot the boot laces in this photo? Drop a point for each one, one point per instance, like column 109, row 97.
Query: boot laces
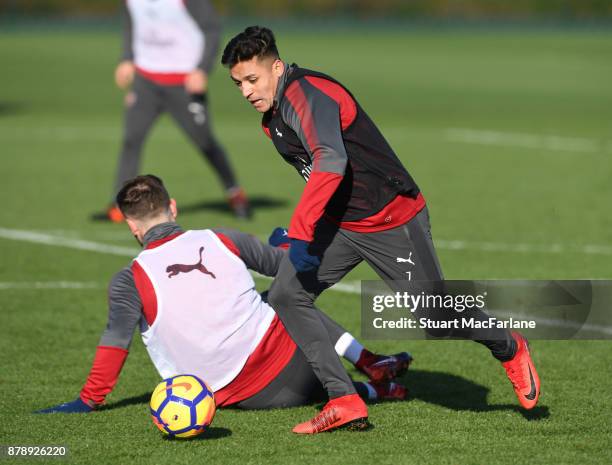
column 324, row 419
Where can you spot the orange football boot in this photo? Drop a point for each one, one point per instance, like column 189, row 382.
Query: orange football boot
column 114, row 214
column 239, row 203
column 349, row 412
column 522, row 374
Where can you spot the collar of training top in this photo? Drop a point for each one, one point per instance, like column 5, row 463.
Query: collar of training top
column 282, row 82
column 160, row 231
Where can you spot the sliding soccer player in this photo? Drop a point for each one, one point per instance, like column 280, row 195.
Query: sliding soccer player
column 195, row 303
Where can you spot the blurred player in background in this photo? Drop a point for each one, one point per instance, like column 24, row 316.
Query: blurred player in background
column 199, row 313
column 169, row 48
column 360, row 203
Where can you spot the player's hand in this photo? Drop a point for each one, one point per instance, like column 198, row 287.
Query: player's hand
column 301, row 259
column 196, row 82
column 124, row 74
column 76, row 406
column 279, row 238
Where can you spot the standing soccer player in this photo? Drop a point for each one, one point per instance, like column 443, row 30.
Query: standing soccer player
column 359, row 204
column 169, row 49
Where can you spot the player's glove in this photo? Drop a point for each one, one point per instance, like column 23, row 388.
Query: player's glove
column 76, row 406
column 301, row 259
column 279, row 238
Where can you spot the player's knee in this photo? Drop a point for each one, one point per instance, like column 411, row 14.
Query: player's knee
column 133, row 142
column 279, row 297
column 286, row 297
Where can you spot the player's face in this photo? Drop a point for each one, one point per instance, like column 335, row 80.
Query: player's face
column 257, row 79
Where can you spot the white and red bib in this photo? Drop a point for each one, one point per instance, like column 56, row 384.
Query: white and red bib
column 165, row 38
column 209, row 317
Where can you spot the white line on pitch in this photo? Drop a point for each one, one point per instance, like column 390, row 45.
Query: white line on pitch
column 72, row 133
column 588, row 249
column 75, row 243
column 58, row 241
column 27, row 285
column 525, row 140
column 47, row 239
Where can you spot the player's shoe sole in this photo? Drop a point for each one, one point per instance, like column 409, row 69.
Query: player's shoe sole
column 522, row 374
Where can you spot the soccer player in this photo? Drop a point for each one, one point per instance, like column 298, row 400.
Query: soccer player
column 359, row 203
column 195, row 302
column 169, row 48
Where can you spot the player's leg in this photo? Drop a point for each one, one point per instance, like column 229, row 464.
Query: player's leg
column 292, row 296
column 191, row 112
column 143, row 106
column 297, row 385
column 406, row 254
column 408, row 251
column 378, row 368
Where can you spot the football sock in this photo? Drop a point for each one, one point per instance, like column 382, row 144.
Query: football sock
column 349, row 348
column 503, row 350
column 366, row 391
column 372, row 392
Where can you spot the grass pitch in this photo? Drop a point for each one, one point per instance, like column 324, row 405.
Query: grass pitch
column 509, row 135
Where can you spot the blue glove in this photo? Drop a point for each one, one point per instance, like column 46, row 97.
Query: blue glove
column 279, row 237
column 76, row 406
column 301, row 259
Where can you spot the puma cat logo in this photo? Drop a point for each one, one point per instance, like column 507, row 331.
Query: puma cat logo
column 173, row 270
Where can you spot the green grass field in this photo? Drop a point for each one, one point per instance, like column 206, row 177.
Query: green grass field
column 509, row 135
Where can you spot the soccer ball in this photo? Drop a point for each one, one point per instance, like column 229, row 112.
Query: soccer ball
column 182, row 406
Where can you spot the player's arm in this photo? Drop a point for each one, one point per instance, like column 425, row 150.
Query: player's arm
column 207, row 19
column 123, row 316
column 313, row 111
column 124, row 73
column 205, row 16
column 315, row 117
column 256, row 255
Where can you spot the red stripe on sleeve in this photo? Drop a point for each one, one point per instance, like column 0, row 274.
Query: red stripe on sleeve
column 319, row 189
column 297, row 99
column 229, row 243
column 348, row 107
column 104, row 373
column 146, row 291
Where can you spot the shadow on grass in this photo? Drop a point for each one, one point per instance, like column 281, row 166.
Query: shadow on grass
column 256, row 202
column 209, row 434
column 457, row 393
column 11, row 108
column 136, row 400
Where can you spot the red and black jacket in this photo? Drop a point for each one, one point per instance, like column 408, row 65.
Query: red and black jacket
column 319, row 128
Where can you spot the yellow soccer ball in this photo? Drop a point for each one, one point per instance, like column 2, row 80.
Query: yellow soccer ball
column 182, row 406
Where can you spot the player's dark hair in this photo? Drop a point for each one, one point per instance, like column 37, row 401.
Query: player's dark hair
column 254, row 41
column 143, row 197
